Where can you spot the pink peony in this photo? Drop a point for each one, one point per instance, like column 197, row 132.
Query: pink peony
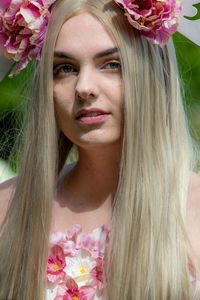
column 23, row 26
column 70, row 291
column 56, row 264
column 157, row 20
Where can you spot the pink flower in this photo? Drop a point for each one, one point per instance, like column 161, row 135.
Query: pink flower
column 76, row 240
column 22, row 30
column 57, row 238
column 61, row 239
column 73, row 232
column 70, row 291
column 157, row 20
column 95, row 245
column 56, row 264
column 97, row 273
column 86, row 241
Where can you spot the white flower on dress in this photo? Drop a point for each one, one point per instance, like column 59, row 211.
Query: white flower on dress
column 80, row 266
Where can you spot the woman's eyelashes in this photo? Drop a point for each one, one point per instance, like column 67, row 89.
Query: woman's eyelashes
column 66, row 69
column 114, row 65
column 63, row 68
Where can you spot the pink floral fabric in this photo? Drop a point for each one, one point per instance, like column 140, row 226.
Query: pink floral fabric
column 157, row 20
column 75, row 264
column 22, row 29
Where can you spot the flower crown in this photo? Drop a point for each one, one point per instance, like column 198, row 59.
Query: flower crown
column 156, row 20
column 23, row 25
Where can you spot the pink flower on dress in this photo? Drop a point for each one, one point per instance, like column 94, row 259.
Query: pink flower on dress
column 97, row 273
column 23, row 26
column 61, row 239
column 73, row 232
column 57, row 238
column 157, row 20
column 87, row 242
column 78, row 258
column 56, row 264
column 70, row 291
column 96, row 246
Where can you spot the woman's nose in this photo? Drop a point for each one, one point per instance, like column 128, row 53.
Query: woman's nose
column 86, row 85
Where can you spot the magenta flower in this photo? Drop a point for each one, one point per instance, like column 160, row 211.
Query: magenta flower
column 23, row 26
column 70, row 291
column 56, row 264
column 157, row 20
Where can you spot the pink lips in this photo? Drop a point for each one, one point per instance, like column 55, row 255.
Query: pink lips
column 91, row 116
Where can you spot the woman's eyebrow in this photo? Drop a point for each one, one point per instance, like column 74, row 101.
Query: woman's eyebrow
column 107, row 52
column 61, row 54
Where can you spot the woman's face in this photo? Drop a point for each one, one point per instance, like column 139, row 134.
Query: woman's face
column 87, row 83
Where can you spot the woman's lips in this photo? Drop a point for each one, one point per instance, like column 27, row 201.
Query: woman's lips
column 91, row 120
column 93, row 116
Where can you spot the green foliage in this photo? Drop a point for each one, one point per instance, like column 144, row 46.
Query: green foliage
column 12, row 90
column 188, row 56
column 12, row 97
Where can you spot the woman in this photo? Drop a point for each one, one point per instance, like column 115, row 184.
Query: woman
column 104, row 88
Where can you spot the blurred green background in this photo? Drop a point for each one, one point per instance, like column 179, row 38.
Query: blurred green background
column 12, row 96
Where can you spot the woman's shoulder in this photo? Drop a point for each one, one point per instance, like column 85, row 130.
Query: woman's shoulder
column 6, row 189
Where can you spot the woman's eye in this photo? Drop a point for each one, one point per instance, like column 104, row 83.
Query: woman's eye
column 64, row 68
column 113, row 65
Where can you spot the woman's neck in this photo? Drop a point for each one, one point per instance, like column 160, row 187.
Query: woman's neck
column 93, row 179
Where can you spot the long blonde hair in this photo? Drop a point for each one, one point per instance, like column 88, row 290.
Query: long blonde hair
column 149, row 248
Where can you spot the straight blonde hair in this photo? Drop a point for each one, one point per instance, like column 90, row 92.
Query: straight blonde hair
column 149, row 250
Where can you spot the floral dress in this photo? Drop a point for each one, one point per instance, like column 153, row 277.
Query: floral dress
column 75, row 264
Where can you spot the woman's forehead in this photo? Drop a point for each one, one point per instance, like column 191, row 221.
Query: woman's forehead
column 83, row 33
